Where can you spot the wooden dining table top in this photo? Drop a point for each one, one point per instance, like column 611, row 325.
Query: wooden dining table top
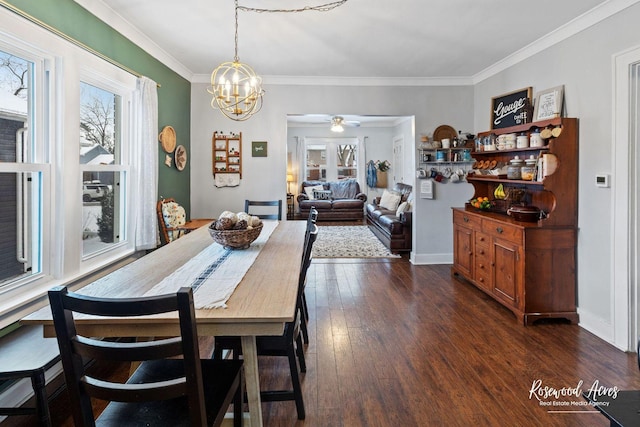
column 262, row 302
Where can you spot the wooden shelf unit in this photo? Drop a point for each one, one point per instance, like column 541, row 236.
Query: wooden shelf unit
column 226, row 153
column 529, row 267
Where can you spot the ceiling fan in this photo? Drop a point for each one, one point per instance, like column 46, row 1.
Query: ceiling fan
column 338, row 123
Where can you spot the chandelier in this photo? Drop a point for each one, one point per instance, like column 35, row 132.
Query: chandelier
column 236, row 88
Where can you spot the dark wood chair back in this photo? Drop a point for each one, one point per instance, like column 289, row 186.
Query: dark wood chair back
column 275, row 203
column 310, row 237
column 312, row 218
column 76, row 349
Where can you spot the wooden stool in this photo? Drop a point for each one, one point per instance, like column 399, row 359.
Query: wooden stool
column 25, row 353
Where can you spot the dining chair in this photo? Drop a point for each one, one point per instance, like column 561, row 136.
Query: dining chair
column 289, row 345
column 304, row 318
column 165, row 389
column 262, row 203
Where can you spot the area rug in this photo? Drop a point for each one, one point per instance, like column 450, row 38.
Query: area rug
column 349, row 241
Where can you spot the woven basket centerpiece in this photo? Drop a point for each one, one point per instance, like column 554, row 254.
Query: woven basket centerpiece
column 233, row 231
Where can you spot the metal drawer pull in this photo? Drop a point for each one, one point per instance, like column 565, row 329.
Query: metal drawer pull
column 499, row 230
column 465, row 219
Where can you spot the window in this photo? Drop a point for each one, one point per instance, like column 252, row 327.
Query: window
column 316, row 162
column 65, row 208
column 330, row 159
column 21, row 178
column 347, row 155
column 100, row 148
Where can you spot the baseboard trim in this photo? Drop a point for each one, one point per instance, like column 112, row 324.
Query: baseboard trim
column 429, row 259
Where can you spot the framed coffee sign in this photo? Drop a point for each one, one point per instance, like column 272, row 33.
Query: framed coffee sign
column 511, row 108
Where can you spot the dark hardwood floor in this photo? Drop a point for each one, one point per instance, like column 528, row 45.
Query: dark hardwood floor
column 393, row 344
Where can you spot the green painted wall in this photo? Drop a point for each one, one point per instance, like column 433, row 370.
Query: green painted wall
column 174, row 95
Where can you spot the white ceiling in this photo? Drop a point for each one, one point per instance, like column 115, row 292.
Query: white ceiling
column 383, row 39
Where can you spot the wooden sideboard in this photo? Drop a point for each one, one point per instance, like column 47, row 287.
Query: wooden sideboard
column 529, row 267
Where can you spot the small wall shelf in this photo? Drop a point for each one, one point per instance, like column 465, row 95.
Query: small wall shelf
column 226, row 151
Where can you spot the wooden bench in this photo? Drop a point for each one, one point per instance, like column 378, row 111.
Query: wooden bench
column 25, row 353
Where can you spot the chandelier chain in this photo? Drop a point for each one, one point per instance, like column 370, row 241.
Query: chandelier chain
column 319, row 8
column 235, row 57
column 236, row 88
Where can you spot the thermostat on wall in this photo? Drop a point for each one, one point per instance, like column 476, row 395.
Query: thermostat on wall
column 602, row 180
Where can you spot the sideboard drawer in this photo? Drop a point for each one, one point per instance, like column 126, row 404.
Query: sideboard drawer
column 482, row 239
column 466, row 219
column 502, row 230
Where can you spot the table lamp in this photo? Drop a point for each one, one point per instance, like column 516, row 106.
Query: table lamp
column 289, row 181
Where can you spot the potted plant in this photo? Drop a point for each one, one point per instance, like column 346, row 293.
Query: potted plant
column 381, row 173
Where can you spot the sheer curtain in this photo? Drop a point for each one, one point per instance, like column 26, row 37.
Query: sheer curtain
column 145, row 164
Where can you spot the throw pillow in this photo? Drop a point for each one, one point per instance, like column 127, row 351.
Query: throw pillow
column 390, row 200
column 322, row 195
column 403, row 207
column 310, row 191
column 174, row 216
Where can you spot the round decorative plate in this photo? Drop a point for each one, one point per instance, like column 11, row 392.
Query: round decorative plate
column 168, row 139
column 181, row 157
column 444, row 131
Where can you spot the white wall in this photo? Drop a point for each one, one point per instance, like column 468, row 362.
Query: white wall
column 583, row 64
column 266, row 177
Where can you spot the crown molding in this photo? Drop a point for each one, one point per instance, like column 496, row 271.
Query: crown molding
column 128, row 30
column 352, row 81
column 571, row 28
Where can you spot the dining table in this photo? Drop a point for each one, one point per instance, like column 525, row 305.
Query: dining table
column 261, row 303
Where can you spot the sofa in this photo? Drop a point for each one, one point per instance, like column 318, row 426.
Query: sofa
column 334, row 200
column 389, row 218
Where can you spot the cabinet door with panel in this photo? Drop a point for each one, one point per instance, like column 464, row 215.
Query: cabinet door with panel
column 463, row 248
column 507, row 271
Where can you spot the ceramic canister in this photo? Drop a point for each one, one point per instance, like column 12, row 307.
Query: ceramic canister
column 441, row 156
column 536, row 140
column 510, row 140
column 522, row 141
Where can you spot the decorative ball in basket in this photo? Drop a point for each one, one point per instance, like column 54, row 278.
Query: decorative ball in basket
column 235, row 231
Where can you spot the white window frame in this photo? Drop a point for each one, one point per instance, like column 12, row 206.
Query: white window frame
column 121, row 166
column 331, row 160
column 60, row 66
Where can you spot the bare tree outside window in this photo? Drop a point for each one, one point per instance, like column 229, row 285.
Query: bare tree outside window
column 346, row 155
column 97, row 118
column 14, row 74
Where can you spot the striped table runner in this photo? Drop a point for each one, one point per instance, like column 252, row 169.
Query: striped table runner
column 215, row 272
